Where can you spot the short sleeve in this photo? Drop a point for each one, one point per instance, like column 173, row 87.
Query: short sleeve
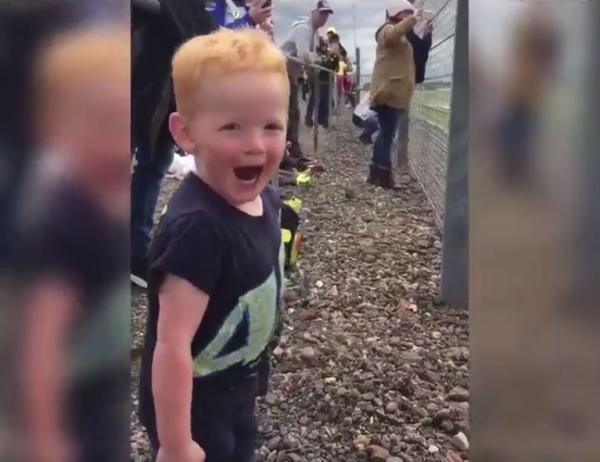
column 191, row 249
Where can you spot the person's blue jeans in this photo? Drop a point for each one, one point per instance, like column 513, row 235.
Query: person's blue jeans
column 382, row 148
column 145, row 188
column 370, row 126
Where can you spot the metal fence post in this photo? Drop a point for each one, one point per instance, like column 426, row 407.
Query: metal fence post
column 455, row 274
column 316, row 113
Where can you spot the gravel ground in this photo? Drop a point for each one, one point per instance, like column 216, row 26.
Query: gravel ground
column 370, row 366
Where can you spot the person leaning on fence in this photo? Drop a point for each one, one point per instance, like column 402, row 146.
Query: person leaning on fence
column 328, row 59
column 217, row 258
column 392, row 85
column 302, row 43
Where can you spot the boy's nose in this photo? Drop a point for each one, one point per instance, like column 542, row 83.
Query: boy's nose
column 255, row 144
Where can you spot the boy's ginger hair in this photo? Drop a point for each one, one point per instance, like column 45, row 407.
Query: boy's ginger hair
column 222, row 52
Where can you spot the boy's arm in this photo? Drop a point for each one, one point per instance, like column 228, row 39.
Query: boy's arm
column 49, row 310
column 392, row 33
column 182, row 307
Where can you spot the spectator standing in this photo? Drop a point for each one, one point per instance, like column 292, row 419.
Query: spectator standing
column 302, row 43
column 328, row 59
column 392, row 85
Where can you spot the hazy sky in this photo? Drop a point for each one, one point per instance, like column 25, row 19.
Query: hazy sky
column 370, row 15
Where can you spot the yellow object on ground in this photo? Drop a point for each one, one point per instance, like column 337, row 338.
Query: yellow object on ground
column 286, row 236
column 296, row 248
column 294, row 203
column 303, row 179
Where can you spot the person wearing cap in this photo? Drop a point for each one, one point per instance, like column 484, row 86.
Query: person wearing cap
column 301, row 43
column 392, row 85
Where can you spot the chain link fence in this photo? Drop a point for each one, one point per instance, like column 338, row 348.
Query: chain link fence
column 430, row 110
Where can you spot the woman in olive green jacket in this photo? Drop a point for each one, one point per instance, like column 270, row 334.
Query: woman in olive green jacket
column 392, row 85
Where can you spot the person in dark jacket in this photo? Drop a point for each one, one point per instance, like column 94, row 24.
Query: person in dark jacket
column 159, row 27
column 421, row 48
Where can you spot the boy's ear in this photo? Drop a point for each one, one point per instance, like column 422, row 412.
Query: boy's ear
column 179, row 131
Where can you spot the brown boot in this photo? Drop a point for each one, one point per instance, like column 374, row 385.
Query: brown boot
column 373, row 177
column 386, row 178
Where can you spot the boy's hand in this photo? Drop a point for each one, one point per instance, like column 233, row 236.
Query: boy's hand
column 260, row 13
column 191, row 452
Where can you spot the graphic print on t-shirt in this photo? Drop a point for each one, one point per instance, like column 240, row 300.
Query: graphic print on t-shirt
column 247, row 330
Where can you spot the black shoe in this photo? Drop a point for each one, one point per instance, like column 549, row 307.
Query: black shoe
column 365, row 138
column 373, row 177
column 139, row 273
column 309, row 123
column 386, row 178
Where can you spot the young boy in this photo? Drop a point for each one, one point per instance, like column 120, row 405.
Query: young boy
column 215, row 275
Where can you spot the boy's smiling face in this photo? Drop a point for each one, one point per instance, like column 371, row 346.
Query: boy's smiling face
column 237, row 132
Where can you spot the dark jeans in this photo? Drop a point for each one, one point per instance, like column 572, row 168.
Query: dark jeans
column 145, row 188
column 223, row 421
column 382, row 148
column 369, row 126
column 293, row 126
column 323, row 107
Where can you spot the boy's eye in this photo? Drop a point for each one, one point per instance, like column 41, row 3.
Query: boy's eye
column 274, row 126
column 231, row 126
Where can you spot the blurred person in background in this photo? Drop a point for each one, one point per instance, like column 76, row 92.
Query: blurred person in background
column 392, row 85
column 158, row 28
column 73, row 366
column 535, row 56
column 234, row 14
column 302, row 43
column 366, row 118
column 328, row 58
column 23, row 26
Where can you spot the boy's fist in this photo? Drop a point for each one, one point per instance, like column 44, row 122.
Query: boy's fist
column 191, row 452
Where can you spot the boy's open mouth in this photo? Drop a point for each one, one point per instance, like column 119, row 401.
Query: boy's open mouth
column 247, row 173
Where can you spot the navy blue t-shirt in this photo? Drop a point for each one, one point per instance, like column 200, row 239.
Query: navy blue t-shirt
column 233, row 257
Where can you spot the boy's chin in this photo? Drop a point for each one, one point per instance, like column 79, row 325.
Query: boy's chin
column 241, row 193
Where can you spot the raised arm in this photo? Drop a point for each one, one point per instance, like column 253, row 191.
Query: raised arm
column 392, row 33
